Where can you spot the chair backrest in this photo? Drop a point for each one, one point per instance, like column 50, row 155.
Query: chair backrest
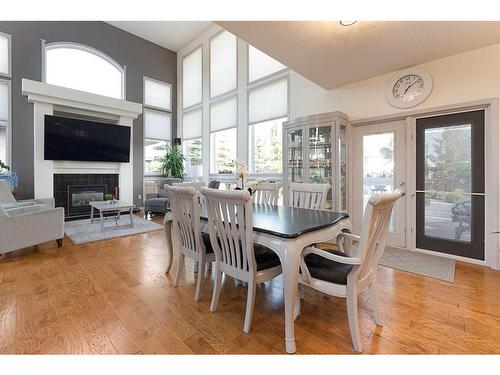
column 267, row 193
column 186, row 225
column 312, row 196
column 5, row 193
column 214, row 184
column 231, row 229
column 375, row 230
column 196, row 185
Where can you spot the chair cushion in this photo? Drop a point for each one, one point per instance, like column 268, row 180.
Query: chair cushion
column 265, row 257
column 326, row 269
column 208, row 244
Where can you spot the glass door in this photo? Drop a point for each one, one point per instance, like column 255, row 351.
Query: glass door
column 450, row 184
column 295, row 154
column 320, row 157
column 379, row 166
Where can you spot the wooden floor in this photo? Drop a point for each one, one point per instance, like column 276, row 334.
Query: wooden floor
column 113, row 297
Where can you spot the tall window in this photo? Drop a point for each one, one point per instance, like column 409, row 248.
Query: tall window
column 223, row 58
column 223, row 122
column 261, row 65
column 5, row 73
column 157, row 119
column 192, row 125
column 192, row 72
column 84, row 68
column 267, row 110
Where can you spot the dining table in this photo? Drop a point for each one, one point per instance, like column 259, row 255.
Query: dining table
column 287, row 231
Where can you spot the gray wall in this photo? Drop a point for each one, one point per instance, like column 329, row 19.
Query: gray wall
column 141, row 57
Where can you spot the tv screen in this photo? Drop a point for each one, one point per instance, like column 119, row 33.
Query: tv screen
column 82, row 140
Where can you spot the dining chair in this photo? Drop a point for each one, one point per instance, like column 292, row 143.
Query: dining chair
column 187, row 234
column 267, row 193
column 352, row 268
column 236, row 255
column 308, row 195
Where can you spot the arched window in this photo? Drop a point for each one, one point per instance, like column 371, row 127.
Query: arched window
column 84, row 68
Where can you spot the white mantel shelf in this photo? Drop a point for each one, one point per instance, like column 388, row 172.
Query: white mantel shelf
column 48, row 99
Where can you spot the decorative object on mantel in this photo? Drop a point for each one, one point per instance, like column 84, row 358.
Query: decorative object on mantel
column 109, row 197
column 172, row 164
column 9, row 176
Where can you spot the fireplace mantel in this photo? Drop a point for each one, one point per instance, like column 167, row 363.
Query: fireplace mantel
column 49, row 99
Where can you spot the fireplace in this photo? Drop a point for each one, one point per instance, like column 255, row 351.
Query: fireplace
column 80, row 196
column 74, row 191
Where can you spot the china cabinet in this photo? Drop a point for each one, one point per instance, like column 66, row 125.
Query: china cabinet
column 315, row 150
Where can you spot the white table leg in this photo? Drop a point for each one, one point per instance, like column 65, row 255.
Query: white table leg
column 91, row 214
column 131, row 218
column 290, row 263
column 102, row 220
column 170, row 249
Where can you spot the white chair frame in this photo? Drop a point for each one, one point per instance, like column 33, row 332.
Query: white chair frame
column 307, row 195
column 231, row 235
column 364, row 261
column 186, row 232
column 267, row 193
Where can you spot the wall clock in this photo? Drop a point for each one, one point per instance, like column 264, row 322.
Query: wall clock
column 408, row 88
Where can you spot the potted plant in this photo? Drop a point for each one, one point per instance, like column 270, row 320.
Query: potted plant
column 172, row 164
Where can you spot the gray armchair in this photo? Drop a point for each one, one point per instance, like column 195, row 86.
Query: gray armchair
column 159, row 202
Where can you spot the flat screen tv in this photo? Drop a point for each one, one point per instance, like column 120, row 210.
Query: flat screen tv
column 82, row 140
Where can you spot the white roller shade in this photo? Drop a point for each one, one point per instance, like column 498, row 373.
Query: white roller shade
column 268, row 102
column 222, row 64
column 261, row 65
column 4, row 54
column 157, row 94
column 223, row 115
column 157, row 125
column 192, row 78
column 4, row 103
column 192, row 124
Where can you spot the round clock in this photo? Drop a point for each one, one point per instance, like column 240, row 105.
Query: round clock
column 408, row 88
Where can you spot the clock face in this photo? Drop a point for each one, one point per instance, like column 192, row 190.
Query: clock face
column 408, row 88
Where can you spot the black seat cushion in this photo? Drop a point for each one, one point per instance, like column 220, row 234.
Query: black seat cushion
column 206, row 241
column 326, row 269
column 265, row 257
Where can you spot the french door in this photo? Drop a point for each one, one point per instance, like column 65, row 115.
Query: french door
column 379, row 166
column 450, row 183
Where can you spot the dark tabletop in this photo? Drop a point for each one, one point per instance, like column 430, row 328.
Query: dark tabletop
column 288, row 222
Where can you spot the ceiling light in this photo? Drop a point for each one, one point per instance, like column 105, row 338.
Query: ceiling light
column 347, row 23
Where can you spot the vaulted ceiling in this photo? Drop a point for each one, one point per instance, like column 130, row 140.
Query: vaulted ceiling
column 332, row 55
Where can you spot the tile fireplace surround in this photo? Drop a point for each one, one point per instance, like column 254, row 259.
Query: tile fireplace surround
column 62, row 182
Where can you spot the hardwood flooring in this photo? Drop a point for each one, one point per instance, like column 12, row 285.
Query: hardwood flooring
column 113, row 297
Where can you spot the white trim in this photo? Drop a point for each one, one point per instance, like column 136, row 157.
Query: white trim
column 9, row 56
column 82, row 47
column 449, row 256
column 8, row 129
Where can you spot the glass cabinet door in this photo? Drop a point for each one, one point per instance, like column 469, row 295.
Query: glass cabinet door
column 320, row 157
column 295, row 156
column 342, row 162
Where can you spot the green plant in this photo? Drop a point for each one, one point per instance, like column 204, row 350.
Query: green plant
column 172, row 164
column 109, row 197
column 3, row 166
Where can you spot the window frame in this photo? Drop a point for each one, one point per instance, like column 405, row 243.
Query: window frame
column 227, row 93
column 264, row 78
column 210, row 131
column 82, row 47
column 9, row 56
column 199, row 47
column 168, row 141
column 8, row 128
column 146, row 78
column 261, row 85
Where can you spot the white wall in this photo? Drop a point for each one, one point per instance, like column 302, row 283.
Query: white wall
column 468, row 76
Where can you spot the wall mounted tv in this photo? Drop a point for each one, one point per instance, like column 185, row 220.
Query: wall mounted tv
column 82, row 140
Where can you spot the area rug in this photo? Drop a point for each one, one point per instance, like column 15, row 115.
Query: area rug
column 81, row 231
column 419, row 263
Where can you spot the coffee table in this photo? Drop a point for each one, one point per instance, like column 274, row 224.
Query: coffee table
column 111, row 206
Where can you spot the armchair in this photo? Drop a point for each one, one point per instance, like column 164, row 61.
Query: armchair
column 159, row 202
column 30, row 225
column 8, row 201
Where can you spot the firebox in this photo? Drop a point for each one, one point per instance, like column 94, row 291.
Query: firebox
column 80, row 196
